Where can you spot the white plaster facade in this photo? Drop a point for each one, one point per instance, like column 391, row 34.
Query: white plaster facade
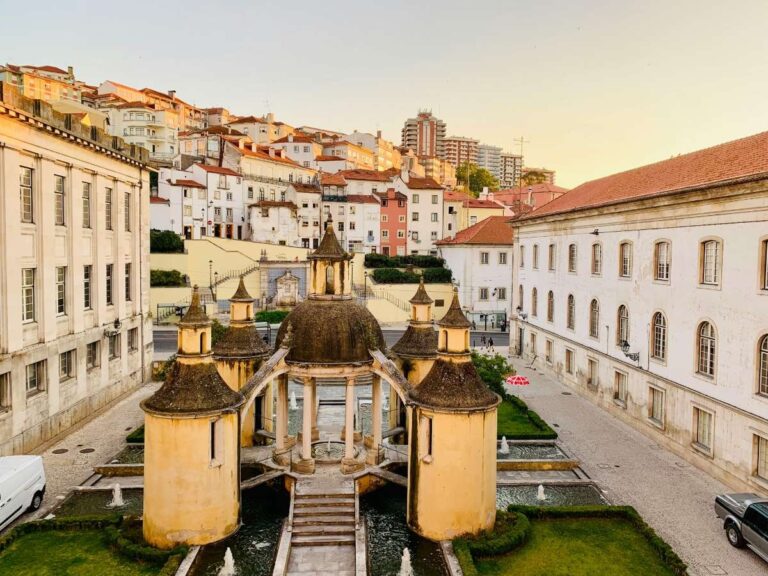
column 489, row 157
column 425, row 212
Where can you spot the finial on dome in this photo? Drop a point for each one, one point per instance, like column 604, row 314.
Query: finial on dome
column 195, row 314
column 455, row 317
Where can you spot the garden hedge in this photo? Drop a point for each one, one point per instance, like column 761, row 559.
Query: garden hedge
column 271, row 316
column 128, row 540
column 165, row 241
column 420, row 261
column 136, row 437
column 166, row 278
column 511, row 530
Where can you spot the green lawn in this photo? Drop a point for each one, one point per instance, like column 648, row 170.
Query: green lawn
column 579, row 547
column 516, row 423
column 67, row 553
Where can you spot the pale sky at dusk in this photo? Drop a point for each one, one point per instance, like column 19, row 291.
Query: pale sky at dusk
column 596, row 86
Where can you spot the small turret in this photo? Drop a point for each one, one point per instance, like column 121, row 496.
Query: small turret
column 454, row 331
column 417, row 347
column 329, row 269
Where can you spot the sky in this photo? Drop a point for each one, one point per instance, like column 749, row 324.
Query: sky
column 593, row 86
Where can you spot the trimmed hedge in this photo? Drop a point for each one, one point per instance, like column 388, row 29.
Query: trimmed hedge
column 136, row 437
column 664, row 550
column 545, row 432
column 420, row 261
column 437, row 275
column 395, row 276
column 166, row 278
column 129, row 542
column 271, row 316
column 165, row 241
column 511, row 530
column 71, row 523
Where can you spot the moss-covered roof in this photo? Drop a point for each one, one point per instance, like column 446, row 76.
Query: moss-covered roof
column 329, row 247
column 191, row 389
column 453, row 385
column 241, row 342
column 195, row 314
column 454, row 318
column 417, row 341
column 421, row 296
column 241, row 294
column 330, row 332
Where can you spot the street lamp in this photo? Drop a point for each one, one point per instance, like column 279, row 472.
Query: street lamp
column 365, row 285
column 216, row 284
column 634, row 356
column 210, row 275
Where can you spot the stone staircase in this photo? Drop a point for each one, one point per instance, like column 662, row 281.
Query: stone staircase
column 323, row 520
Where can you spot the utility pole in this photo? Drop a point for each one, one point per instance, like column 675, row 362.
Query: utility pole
column 521, row 142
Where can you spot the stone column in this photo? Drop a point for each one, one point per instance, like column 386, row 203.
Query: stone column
column 349, row 464
column 373, row 455
column 307, row 464
column 314, row 410
column 281, row 453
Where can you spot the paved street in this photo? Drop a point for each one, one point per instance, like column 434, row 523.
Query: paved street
column 671, row 495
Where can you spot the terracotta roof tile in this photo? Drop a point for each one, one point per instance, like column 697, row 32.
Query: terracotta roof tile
column 362, row 174
column 361, row 199
column 307, row 188
column 274, row 204
column 323, row 158
column 416, row 183
column 297, row 138
column 158, row 200
column 491, row 230
column 217, row 169
column 333, row 179
column 186, row 183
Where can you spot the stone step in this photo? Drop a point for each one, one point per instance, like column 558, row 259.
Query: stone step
column 320, row 501
column 323, row 529
column 301, row 495
column 341, row 510
column 323, row 520
column 347, row 540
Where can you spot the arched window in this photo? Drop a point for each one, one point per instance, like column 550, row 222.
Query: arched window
column 622, row 325
column 203, row 343
column 662, row 261
column 551, row 257
column 625, row 259
column 534, row 302
column 535, row 256
column 550, row 307
column 572, row 258
column 710, row 262
column 597, row 259
column 707, row 349
column 762, row 367
column 329, row 289
column 659, row 335
column 571, row 316
column 594, row 319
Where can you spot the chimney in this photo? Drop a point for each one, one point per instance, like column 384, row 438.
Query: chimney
column 241, row 144
column 404, row 174
column 530, row 195
column 484, row 193
column 172, row 94
column 490, row 195
column 271, row 152
column 378, row 134
column 254, row 147
column 290, row 137
column 270, row 117
column 70, row 72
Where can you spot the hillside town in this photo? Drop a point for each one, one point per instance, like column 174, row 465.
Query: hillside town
column 235, row 344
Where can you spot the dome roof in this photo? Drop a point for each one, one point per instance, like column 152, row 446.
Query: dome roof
column 418, row 341
column 454, row 386
column 241, row 342
column 322, row 331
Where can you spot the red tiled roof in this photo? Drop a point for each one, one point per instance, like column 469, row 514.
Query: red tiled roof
column 186, row 183
column 323, row 158
column 416, row 183
column 391, row 194
column 248, row 119
column 296, row 138
column 491, row 230
column 514, row 193
column 716, row 165
column 361, row 199
column 333, row 179
column 263, row 154
column 308, row 188
column 158, row 200
column 217, row 169
column 362, row 174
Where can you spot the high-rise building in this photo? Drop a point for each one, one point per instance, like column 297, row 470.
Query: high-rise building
column 489, row 157
column 425, row 135
column 460, row 150
column 511, row 168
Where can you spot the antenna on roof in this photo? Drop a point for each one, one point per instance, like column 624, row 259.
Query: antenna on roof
column 266, row 104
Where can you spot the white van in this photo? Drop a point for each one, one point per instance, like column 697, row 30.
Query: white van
column 22, row 486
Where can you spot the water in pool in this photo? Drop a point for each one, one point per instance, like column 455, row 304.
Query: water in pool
column 531, row 452
column 554, row 495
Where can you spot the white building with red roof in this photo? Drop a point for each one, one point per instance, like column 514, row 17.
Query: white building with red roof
column 647, row 292
column 425, row 211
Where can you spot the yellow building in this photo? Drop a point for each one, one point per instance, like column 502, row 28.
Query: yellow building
column 238, row 355
column 417, row 347
column 452, row 463
column 191, row 453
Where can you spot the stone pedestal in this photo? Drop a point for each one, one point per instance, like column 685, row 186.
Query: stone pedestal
column 305, row 466
column 315, row 434
column 373, row 456
column 351, row 465
column 282, row 456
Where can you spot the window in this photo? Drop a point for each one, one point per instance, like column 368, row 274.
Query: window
column 597, row 259
column 58, row 199
column 502, row 258
column 216, row 447
column 522, row 256
column 551, row 257
column 534, row 302
column 187, row 210
column 548, row 345
column 702, row 432
column 87, row 276
column 433, row 236
column 433, row 217
column 550, row 306
column 520, row 302
column 533, row 343
column 764, row 265
column 483, row 294
column 625, row 260
column 110, row 295
column 434, row 198
column 127, row 200
column 66, row 365
column 659, row 335
column 483, row 257
column 36, row 377
column 128, row 295
column 661, row 255
column 133, row 340
column 108, row 208
column 594, row 319
column 762, row 367
column 86, row 205
column 114, row 346
column 385, row 233
column 710, row 263
column 401, row 233
column 414, row 216
column 656, row 405
column 592, row 372
column 571, row 315
column 501, row 293
column 92, row 355
column 425, row 438
column 6, row 392
column 620, row 387
column 572, row 258
column 535, row 256
column 622, row 325
column 222, row 181
column 401, row 218
column 415, row 199
column 707, row 342
column 568, row 361
column 352, row 225
column 61, row 290
column 25, row 190
column 28, row 294
column 341, row 226
column 761, row 469
column 384, row 218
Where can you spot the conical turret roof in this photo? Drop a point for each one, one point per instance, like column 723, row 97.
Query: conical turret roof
column 241, row 294
column 454, row 318
column 329, row 247
column 421, row 296
column 195, row 314
column 454, row 386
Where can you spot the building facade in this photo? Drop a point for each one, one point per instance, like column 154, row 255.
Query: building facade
column 489, row 157
column 394, row 222
column 385, row 154
column 510, row 168
column 646, row 292
column 425, row 135
column 74, row 221
column 425, row 207
column 460, row 150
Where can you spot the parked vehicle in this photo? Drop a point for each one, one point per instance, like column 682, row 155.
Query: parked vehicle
column 745, row 520
column 22, row 486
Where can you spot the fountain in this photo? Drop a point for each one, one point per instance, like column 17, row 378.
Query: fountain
column 406, row 569
column 540, row 494
column 294, row 405
column 504, row 446
column 229, row 564
column 329, row 447
column 117, row 497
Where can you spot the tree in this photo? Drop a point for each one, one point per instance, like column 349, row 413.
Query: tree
column 165, row 241
column 533, row 177
column 479, row 178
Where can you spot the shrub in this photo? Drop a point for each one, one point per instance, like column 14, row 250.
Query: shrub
column 136, row 437
column 437, row 275
column 166, row 278
column 165, row 241
column 217, row 331
column 128, row 540
column 511, row 530
column 271, row 316
column 464, row 556
column 394, row 276
column 493, row 370
column 420, row 261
